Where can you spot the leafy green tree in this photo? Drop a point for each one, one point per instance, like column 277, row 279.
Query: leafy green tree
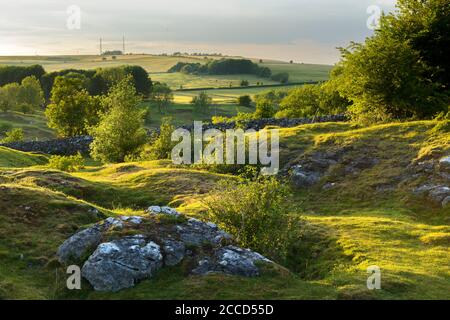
column 72, row 109
column 312, row 100
column 264, row 108
column 30, row 94
column 14, row 135
column 244, row 101
column 244, row 83
column 202, row 102
column 15, row 74
column 120, row 132
column 9, row 97
column 282, row 77
column 402, row 71
column 162, row 96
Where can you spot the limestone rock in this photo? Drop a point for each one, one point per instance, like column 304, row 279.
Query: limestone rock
column 197, row 232
column 232, row 260
column 121, row 263
column 79, row 244
column 303, row 178
column 174, row 252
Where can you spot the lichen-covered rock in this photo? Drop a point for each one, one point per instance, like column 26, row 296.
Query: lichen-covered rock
column 303, row 178
column 123, row 260
column 196, row 232
column 121, row 263
column 231, row 260
column 154, row 210
column 78, row 245
column 439, row 193
column 174, row 252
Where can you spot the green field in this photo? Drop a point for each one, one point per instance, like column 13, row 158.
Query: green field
column 157, row 66
column 225, row 96
column 183, row 114
column 150, row 63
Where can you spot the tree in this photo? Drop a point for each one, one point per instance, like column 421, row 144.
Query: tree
column 30, row 95
column 312, row 100
column 244, row 83
column 402, row 70
column 201, row 102
column 9, row 95
column 282, row 77
column 162, row 96
column 15, row 74
column 120, row 132
column 72, row 109
column 244, row 101
column 264, row 108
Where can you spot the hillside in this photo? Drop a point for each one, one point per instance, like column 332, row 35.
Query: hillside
column 363, row 211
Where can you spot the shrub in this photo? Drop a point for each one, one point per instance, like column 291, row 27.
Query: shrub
column 160, row 146
column 66, row 163
column 245, row 101
column 201, row 102
column 14, row 135
column 282, row 77
column 255, row 213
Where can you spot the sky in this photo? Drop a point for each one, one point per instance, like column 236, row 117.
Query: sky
column 301, row 30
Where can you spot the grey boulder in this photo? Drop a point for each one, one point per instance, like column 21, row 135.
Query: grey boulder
column 174, row 252
column 78, row 245
column 231, row 260
column 197, row 232
column 121, row 263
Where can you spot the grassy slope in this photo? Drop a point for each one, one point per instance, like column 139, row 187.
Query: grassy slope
column 18, row 159
column 34, row 125
column 406, row 236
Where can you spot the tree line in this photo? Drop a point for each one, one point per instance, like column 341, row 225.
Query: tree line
column 222, row 67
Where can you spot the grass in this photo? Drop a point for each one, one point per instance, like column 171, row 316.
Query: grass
column 183, row 113
column 404, row 234
column 34, row 125
column 228, row 96
column 150, row 63
column 14, row 158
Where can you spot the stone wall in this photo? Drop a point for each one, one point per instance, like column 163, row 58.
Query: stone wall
column 69, row 146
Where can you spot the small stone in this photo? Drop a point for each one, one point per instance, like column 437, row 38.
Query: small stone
column 154, row 209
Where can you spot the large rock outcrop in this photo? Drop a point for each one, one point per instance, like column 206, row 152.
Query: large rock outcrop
column 164, row 237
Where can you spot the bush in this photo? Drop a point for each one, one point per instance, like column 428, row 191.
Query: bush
column 256, row 213
column 160, row 146
column 244, row 101
column 66, row 163
column 282, row 77
column 14, row 135
column 312, row 100
column 201, row 102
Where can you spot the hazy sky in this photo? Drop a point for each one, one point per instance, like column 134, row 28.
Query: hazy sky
column 303, row 30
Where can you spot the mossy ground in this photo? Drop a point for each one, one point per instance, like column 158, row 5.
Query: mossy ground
column 356, row 224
